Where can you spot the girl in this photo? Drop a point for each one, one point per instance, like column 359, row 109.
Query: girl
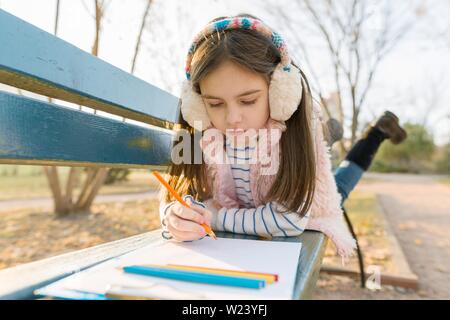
column 277, row 181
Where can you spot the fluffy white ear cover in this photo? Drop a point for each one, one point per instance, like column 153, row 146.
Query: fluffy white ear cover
column 193, row 108
column 285, row 92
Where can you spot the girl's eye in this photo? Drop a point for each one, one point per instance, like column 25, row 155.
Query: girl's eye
column 249, row 102
column 215, row 105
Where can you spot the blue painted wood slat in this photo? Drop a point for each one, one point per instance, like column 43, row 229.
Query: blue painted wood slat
column 35, row 60
column 36, row 132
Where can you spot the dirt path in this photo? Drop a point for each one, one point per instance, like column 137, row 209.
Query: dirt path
column 418, row 210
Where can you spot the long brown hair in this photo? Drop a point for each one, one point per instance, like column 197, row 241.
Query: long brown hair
column 295, row 180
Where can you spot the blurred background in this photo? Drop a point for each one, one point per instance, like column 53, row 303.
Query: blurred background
column 362, row 57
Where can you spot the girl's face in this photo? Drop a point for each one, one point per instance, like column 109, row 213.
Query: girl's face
column 236, row 98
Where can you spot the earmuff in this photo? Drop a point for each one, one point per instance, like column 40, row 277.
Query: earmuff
column 285, row 88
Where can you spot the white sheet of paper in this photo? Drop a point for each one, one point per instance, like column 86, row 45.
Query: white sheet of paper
column 236, row 254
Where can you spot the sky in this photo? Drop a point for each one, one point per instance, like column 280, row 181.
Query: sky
column 416, row 70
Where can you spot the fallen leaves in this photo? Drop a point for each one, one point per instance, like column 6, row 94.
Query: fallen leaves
column 33, row 234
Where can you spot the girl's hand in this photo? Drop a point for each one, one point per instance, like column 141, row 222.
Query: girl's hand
column 184, row 223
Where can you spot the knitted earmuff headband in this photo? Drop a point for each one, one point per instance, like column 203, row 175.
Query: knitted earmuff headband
column 285, row 89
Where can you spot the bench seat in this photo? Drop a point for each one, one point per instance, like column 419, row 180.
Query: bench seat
column 20, row 282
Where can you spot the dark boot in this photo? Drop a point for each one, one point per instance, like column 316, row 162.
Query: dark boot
column 386, row 127
column 388, row 124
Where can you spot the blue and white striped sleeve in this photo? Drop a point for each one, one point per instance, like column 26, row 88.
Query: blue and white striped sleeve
column 266, row 220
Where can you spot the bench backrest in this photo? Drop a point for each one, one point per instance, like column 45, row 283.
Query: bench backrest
column 43, row 133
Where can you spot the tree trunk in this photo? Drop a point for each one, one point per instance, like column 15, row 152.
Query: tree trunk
column 94, row 187
column 64, row 203
column 98, row 20
column 355, row 114
column 55, row 187
column 95, row 178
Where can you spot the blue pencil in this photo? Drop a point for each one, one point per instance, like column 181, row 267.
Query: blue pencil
column 194, row 276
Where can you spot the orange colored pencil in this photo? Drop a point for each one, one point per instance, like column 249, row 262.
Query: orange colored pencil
column 269, row 277
column 275, row 276
column 179, row 199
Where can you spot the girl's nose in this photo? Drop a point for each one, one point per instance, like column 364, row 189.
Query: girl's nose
column 233, row 116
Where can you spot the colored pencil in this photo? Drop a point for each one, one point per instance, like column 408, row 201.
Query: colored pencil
column 269, row 277
column 178, row 197
column 194, row 276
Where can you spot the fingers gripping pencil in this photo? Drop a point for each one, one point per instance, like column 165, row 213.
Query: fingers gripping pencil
column 179, row 199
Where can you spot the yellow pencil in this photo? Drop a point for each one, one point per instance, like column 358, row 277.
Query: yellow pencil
column 269, row 278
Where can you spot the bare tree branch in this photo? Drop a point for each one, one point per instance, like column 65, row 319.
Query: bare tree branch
column 348, row 60
column 55, row 31
column 87, row 9
column 139, row 38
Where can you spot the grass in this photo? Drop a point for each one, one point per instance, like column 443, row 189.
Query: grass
column 32, row 183
column 23, row 187
column 445, row 181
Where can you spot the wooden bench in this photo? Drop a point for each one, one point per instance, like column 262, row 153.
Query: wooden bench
column 35, row 132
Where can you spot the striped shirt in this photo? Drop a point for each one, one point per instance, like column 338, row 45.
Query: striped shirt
column 240, row 159
column 266, row 220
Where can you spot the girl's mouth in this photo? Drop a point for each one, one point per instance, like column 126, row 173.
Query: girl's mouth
column 234, row 132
